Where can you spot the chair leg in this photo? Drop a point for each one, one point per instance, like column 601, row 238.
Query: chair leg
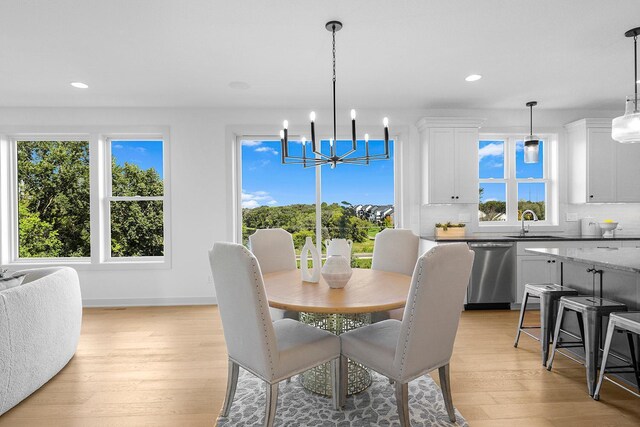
column 335, row 383
column 581, row 327
column 402, row 403
column 344, row 367
column 634, row 360
column 605, row 356
column 523, row 308
column 445, row 387
column 232, row 383
column 546, row 322
column 271, row 404
column 556, row 335
column 592, row 349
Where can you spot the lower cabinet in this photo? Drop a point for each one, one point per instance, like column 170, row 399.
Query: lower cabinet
column 535, row 269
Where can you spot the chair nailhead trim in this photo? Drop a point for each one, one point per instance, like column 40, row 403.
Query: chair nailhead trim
column 256, row 279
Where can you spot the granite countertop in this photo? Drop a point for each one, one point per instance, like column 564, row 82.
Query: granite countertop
column 513, row 237
column 625, row 259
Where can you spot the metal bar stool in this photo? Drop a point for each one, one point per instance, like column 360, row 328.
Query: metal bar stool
column 549, row 294
column 590, row 310
column 625, row 322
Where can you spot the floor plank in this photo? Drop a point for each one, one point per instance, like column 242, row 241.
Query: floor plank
column 166, row 366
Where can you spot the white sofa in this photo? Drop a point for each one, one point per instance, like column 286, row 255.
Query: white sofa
column 39, row 331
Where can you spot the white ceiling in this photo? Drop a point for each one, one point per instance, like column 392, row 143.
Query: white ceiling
column 393, row 54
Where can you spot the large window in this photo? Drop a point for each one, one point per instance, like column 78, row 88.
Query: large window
column 136, row 199
column 351, row 201
column 69, row 206
column 508, row 185
column 53, row 199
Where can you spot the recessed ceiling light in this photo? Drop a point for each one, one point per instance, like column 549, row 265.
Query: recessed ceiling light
column 80, row 85
column 473, row 77
column 239, row 85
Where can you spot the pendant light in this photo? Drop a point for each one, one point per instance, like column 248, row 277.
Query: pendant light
column 626, row 128
column 332, row 158
column 531, row 141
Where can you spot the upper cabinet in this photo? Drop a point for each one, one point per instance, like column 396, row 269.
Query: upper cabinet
column 450, row 159
column 601, row 170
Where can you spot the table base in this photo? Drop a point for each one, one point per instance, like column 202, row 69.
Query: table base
column 318, row 379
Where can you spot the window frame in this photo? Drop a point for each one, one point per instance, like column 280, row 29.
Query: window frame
column 549, row 179
column 109, row 197
column 320, row 136
column 100, row 183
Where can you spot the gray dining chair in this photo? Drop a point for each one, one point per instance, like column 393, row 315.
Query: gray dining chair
column 275, row 251
column 423, row 340
column 396, row 251
column 272, row 351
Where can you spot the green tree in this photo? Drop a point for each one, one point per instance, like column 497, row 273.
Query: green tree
column 137, row 227
column 53, row 179
column 37, row 237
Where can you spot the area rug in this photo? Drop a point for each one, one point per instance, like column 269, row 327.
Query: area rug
column 376, row 406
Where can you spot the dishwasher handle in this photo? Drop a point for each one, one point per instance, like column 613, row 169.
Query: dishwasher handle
column 490, row 245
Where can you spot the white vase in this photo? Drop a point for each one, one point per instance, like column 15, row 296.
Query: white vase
column 339, row 247
column 336, row 271
column 309, row 249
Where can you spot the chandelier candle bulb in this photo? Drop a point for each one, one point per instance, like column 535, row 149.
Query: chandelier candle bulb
column 283, row 145
column 366, row 146
column 312, row 118
column 385, row 122
column 353, row 129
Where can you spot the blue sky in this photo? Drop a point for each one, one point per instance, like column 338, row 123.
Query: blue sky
column 491, row 158
column 265, row 181
column 145, row 154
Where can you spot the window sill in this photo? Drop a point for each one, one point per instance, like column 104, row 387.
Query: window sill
column 87, row 265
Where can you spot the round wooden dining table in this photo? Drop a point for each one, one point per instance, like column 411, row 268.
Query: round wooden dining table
column 337, row 311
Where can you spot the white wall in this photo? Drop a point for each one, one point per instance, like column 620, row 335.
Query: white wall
column 202, row 175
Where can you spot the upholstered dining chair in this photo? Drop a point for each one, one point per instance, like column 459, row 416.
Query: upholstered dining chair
column 272, row 351
column 394, row 250
column 274, row 249
column 423, row 340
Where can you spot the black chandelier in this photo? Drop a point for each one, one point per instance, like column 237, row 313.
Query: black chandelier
column 332, row 158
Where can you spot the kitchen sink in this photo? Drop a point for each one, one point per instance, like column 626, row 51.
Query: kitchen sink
column 535, row 236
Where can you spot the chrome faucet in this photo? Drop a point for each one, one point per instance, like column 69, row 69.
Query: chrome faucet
column 535, row 218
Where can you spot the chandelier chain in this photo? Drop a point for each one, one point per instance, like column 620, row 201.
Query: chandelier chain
column 334, row 53
column 635, row 69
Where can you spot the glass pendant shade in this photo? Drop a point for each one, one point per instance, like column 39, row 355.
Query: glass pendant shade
column 531, row 149
column 626, row 129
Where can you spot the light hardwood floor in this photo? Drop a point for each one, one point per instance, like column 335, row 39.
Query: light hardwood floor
column 167, row 366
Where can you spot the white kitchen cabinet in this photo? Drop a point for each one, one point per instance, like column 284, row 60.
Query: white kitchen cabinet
column 627, row 172
column 450, row 160
column 601, row 170
column 535, row 269
column 442, row 143
column 631, row 243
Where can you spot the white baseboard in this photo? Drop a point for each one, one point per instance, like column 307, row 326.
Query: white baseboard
column 147, row 302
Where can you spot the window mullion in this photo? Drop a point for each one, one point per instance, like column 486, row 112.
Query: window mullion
column 95, row 199
column 512, row 186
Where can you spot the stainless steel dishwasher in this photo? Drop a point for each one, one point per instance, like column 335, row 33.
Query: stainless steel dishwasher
column 493, row 278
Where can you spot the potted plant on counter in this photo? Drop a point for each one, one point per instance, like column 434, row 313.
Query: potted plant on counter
column 450, row 229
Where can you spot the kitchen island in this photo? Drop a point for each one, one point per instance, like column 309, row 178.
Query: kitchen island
column 611, row 273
